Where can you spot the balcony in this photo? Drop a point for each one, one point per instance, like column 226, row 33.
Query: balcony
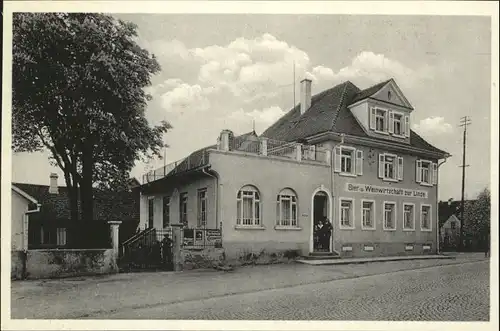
column 248, row 143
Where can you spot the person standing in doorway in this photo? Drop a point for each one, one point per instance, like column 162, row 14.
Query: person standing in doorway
column 327, row 233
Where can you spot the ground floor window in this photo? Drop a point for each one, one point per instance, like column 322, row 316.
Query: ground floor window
column 408, row 216
column 346, row 213
column 183, row 202
column 202, row 207
column 61, row 236
column 151, row 205
column 248, row 206
column 166, row 212
column 425, row 217
column 389, row 215
column 368, row 214
column 286, row 208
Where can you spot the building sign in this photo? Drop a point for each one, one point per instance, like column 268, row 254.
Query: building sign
column 393, row 191
column 214, row 236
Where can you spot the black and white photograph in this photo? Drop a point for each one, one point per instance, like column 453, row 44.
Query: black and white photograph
column 231, row 163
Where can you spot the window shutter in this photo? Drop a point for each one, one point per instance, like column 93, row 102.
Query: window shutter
column 407, row 126
column 359, row 162
column 418, row 174
column 400, row 168
column 372, row 119
column 337, row 159
column 381, row 166
column 434, row 173
column 391, row 122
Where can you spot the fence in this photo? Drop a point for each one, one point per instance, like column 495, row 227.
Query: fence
column 192, row 161
column 281, row 148
column 245, row 144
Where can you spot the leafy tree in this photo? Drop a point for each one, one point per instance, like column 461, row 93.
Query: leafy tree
column 477, row 217
column 78, row 91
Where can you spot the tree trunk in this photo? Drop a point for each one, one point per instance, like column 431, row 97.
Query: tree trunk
column 87, row 195
column 72, row 188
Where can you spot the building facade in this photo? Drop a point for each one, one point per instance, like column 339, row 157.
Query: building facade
column 346, row 155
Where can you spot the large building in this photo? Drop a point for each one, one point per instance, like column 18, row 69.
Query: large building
column 345, row 154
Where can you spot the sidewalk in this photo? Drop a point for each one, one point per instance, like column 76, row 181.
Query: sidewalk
column 358, row 260
column 85, row 297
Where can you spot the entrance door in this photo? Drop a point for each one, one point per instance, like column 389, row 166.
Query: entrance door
column 321, row 238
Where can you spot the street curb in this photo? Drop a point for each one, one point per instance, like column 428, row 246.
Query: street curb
column 372, row 260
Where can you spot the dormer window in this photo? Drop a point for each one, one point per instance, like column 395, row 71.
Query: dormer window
column 390, row 122
column 398, row 124
column 380, row 119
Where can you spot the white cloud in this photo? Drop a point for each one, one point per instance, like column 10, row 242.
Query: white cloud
column 323, row 73
column 368, row 68
column 186, row 96
column 433, row 126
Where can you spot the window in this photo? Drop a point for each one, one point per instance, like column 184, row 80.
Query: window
column 425, row 218
column 346, row 160
column 183, row 201
column 202, row 207
column 61, row 236
column 166, row 212
column 408, row 217
column 389, row 216
column 453, row 225
column 390, row 167
column 426, row 172
column 380, row 120
column 151, row 205
column 398, row 125
column 286, row 209
column 368, row 214
column 248, row 207
column 346, row 213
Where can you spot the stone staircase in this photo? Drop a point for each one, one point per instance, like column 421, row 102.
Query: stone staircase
column 321, row 256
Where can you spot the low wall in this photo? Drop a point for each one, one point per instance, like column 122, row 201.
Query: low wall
column 238, row 250
column 58, row 263
column 201, row 259
column 16, row 264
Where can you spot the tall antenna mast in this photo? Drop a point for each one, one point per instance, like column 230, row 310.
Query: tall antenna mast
column 294, row 104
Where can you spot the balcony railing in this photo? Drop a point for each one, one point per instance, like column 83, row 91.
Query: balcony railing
column 250, row 144
column 193, row 161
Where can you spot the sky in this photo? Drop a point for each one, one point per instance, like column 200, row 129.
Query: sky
column 237, row 71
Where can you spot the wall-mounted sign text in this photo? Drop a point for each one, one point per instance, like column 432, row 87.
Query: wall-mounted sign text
column 394, row 191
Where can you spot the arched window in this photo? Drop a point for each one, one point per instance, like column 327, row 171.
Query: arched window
column 286, row 208
column 248, row 206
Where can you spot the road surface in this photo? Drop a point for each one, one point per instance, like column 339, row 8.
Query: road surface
column 457, row 292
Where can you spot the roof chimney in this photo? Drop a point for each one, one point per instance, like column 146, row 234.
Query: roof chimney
column 305, row 95
column 53, row 189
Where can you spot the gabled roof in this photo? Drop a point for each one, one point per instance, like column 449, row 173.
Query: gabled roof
column 329, row 112
column 108, row 205
column 369, row 91
column 24, row 194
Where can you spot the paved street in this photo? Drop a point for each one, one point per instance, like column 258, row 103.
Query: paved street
column 409, row 290
column 445, row 293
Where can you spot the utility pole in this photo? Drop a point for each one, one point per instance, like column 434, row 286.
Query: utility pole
column 464, row 121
